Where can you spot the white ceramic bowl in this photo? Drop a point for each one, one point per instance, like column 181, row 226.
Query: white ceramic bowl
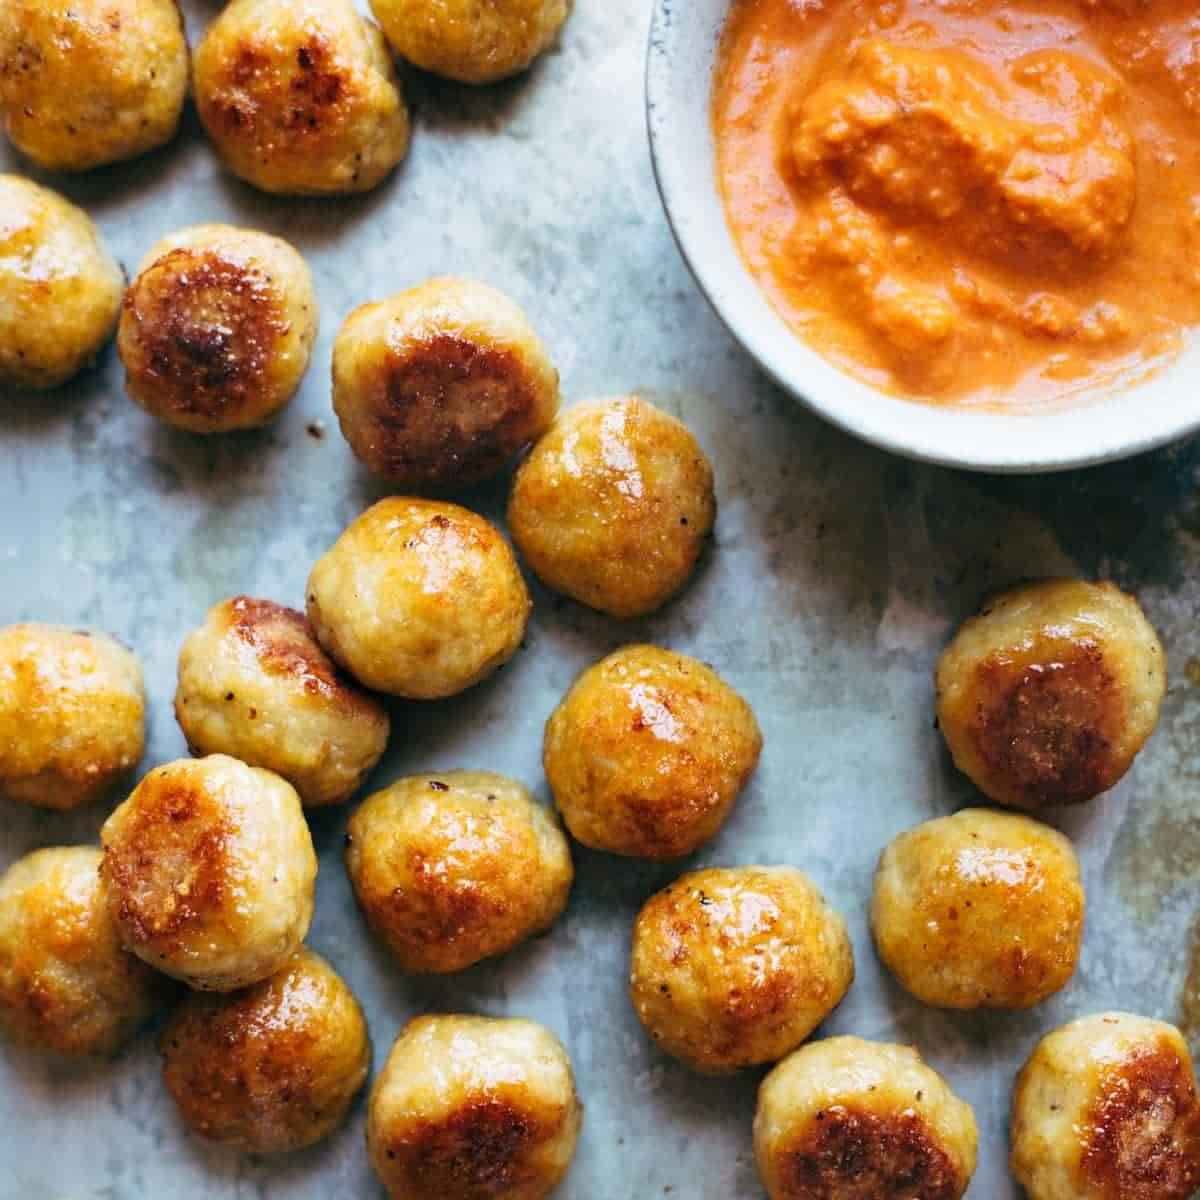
column 683, row 48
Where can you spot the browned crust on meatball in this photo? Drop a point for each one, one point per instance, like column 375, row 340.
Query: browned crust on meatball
column 850, row 1154
column 1142, row 1132
column 167, row 867
column 1048, row 721
column 197, row 332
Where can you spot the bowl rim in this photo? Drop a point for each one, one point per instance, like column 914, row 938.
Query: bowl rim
column 1093, row 431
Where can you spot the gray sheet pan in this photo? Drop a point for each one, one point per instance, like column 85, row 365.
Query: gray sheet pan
column 836, row 575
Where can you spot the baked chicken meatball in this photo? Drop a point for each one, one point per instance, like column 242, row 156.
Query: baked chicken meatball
column 72, row 715
column 300, row 96
column 89, row 82
column 452, row 868
column 612, row 506
column 441, row 385
column 210, row 870
column 66, row 983
column 1106, row 1109
column 217, row 330
column 1048, row 694
column 60, row 288
column 419, row 598
column 473, row 1108
column 845, row 1119
column 735, row 966
column 983, row 909
column 273, row 1067
column 254, row 684
column 470, row 41
column 647, row 753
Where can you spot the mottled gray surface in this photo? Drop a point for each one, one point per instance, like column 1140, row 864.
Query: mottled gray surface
column 836, row 575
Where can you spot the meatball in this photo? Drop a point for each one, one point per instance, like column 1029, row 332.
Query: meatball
column 210, row 871
column 72, row 715
column 254, row 684
column 735, row 966
column 471, row 1108
column 1106, row 1109
column 845, row 1119
column 442, row 384
column 452, row 868
column 647, row 753
column 300, row 96
column 66, row 983
column 271, row 1068
column 60, row 288
column 1048, row 694
column 613, row 505
column 217, row 330
column 419, row 599
column 979, row 910
column 469, row 41
column 89, row 82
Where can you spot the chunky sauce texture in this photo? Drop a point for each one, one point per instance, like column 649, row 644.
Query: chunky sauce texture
column 970, row 201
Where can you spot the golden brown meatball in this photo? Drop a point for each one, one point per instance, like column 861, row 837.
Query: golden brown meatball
column 66, row 983
column 441, row 385
column 300, row 96
column 613, row 505
column 979, row 910
column 89, row 82
column 1106, row 1109
column 72, row 715
column 844, row 1119
column 455, row 867
column 271, row 1068
column 254, row 684
column 473, row 1108
column 217, row 330
column 210, row 870
column 60, row 288
column 647, row 753
column 1047, row 695
column 735, row 966
column 470, row 41
column 419, row 598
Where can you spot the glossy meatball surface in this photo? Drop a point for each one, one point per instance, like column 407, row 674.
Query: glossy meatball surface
column 1106, row 1109
column 980, row 909
column 300, row 96
column 72, row 715
column 647, row 753
column 735, row 966
column 66, row 983
column 217, row 330
column 846, row 1119
column 473, row 1108
column 60, row 288
column 419, row 598
column 255, row 684
column 612, row 507
column 1047, row 695
column 89, row 82
column 210, row 868
column 441, row 385
column 454, row 867
column 272, row 1068
column 469, row 41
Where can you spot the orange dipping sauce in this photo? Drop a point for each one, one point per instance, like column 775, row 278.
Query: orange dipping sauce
column 969, row 201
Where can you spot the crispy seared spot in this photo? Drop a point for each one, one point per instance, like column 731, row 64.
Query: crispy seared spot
column 1047, row 724
column 447, row 408
column 849, row 1154
column 200, row 331
column 1142, row 1134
